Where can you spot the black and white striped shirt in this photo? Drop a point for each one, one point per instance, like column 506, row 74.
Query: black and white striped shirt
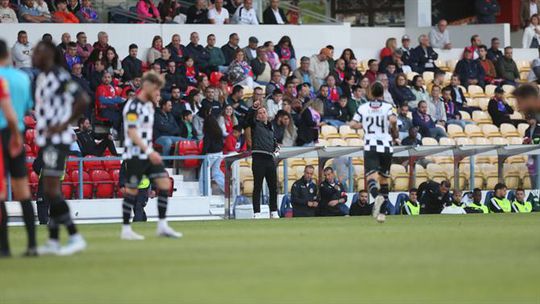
column 375, row 119
column 139, row 115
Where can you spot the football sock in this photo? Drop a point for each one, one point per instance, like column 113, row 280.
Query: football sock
column 163, row 197
column 127, row 205
column 29, row 222
column 4, row 243
column 373, row 187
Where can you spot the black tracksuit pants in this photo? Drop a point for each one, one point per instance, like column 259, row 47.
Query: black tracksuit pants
column 264, row 166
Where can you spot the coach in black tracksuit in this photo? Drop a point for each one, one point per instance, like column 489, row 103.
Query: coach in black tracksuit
column 263, row 148
column 433, row 196
column 332, row 196
column 304, row 195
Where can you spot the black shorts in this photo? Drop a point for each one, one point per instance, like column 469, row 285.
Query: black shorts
column 136, row 168
column 54, row 160
column 375, row 162
column 14, row 166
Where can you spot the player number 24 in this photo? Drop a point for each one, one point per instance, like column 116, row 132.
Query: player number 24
column 378, row 121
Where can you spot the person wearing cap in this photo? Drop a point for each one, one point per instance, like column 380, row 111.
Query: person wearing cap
column 131, row 64
column 470, row 71
column 395, row 59
column 246, row 14
column 406, row 51
column 250, row 50
column 499, row 109
column 273, row 14
column 439, row 36
column 423, row 57
column 319, row 64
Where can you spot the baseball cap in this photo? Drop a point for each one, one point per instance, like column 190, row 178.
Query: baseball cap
column 499, row 90
column 405, row 37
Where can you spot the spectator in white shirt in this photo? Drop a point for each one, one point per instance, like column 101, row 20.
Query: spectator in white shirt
column 535, row 69
column 246, row 14
column 531, row 37
column 318, row 64
column 439, row 36
column 22, row 51
column 42, row 7
column 7, row 14
column 218, row 14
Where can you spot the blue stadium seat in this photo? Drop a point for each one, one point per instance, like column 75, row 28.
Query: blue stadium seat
column 285, row 210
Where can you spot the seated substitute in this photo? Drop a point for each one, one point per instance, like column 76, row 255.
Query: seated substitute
column 362, row 206
column 520, row 205
column 332, row 196
column 455, row 206
column 304, row 194
column 412, row 206
column 476, row 206
column 499, row 203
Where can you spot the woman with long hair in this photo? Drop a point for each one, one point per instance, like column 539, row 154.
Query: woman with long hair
column 168, row 10
column 285, row 70
column 284, row 129
column 227, row 120
column 194, row 101
column 113, row 64
column 213, row 149
column 388, row 50
column 273, row 58
column 419, row 91
column 146, row 9
column 154, row 52
column 285, row 51
column 401, row 94
column 531, row 34
column 347, row 55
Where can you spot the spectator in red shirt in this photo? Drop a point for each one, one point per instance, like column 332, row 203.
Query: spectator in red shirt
column 234, row 142
column 391, row 46
column 373, row 68
column 109, row 102
column 62, row 14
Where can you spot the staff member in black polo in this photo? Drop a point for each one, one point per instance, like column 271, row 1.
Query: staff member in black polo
column 304, row 194
column 333, row 196
column 264, row 148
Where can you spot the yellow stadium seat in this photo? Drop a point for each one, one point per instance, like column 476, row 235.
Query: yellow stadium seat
column 327, row 129
column 516, row 115
column 490, row 130
column 526, row 182
column 508, row 89
column 360, row 183
column 465, row 115
column 330, row 136
column 337, row 142
column 429, row 141
column 473, row 131
column 428, row 76
column 499, row 141
column 524, row 76
column 473, row 102
column 321, row 143
column 483, row 103
column 346, row 130
column 354, row 142
column 411, row 75
column 463, row 141
column 358, row 170
column 508, row 130
column 247, row 186
column 522, row 127
column 481, row 141
column 517, row 159
column 475, row 91
column 490, row 90
column 451, row 64
column 464, row 90
column 523, row 65
column 512, row 102
column 455, row 131
column 515, row 140
column 462, row 181
column 481, row 117
column 360, row 133
column 447, row 141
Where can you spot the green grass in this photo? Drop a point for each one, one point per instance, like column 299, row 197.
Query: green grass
column 427, row 259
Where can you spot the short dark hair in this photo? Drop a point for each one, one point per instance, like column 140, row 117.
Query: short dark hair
column 494, row 39
column 21, row 33
column 82, row 119
column 133, row 46
column 445, row 183
column 237, row 88
column 232, row 35
column 186, row 113
column 362, row 191
column 482, row 46
column 520, row 189
column 371, row 61
column 355, row 87
column 163, row 102
column 72, row 44
column 328, row 169
column 508, row 48
column 79, row 34
column 277, row 91
column 499, row 186
column 526, row 90
column 330, row 47
column 474, row 37
column 309, row 167
column 422, row 102
column 377, row 89
column 475, row 190
column 413, row 190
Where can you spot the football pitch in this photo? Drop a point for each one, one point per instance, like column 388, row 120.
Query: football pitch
column 491, row 258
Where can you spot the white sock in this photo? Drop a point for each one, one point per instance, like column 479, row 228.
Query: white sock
column 126, row 228
column 162, row 223
column 54, row 242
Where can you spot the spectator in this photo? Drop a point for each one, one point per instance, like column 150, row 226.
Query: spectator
column 333, row 196
column 425, row 123
column 507, row 68
column 96, row 75
column 285, row 51
column 230, row 48
column 246, row 14
column 216, row 59
column 520, row 205
column 210, row 102
column 227, row 120
column 87, row 14
column 213, row 149
column 164, row 59
column 131, row 87
column 494, row 53
column 71, row 55
column 476, row 206
column 531, row 34
column 534, row 73
column 319, row 64
column 333, row 90
column 232, row 6
column 439, row 36
column 73, row 6
column 433, row 196
column 339, row 71
column 154, row 52
column 401, row 94
column 250, row 51
column 486, row 11
column 394, row 59
column 113, row 64
column 197, row 13
column 532, row 134
column 373, row 70
column 273, row 58
column 436, row 106
column 528, row 9
column 285, row 71
column 404, row 122
column 470, row 71
column 197, row 52
column 218, row 14
column 102, row 44
column 357, row 98
column 490, row 74
column 261, row 68
column 499, row 109
column 274, row 103
column 235, row 142
column 168, row 9
column 166, row 131
column 475, row 43
column 412, row 138
column 331, row 61
column 187, row 130
column 411, row 206
column 62, row 46
column 77, row 76
column 361, row 206
column 290, row 131
column 344, row 114
column 458, row 96
column 239, row 71
column 84, row 49
column 423, row 57
column 62, row 14
column 348, row 55
column 352, row 69
column 7, row 14
column 304, row 198
column 177, row 49
column 147, row 10
column 406, row 50
column 22, row 51
column 108, row 102
column 273, row 14
column 452, row 112
column 42, row 7
column 89, row 144
column 198, row 122
column 30, row 14
column 280, row 127
column 438, row 79
column 386, row 85
column 388, row 50
column 419, row 91
column 308, row 123
column 499, row 203
column 131, row 65
column 238, row 104
column 346, row 86
column 305, row 74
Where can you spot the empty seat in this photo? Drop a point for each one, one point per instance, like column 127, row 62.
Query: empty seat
column 327, row 129
column 490, row 130
column 481, row 141
column 508, row 89
column 483, row 103
column 490, row 90
column 429, row 141
column 465, row 115
column 447, row 141
column 346, row 130
column 455, row 131
column 189, row 147
column 104, row 183
column 509, row 130
column 87, row 184
column 499, row 141
column 481, row 117
column 516, row 115
column 90, row 165
column 355, row 142
column 522, row 127
column 473, row 131
column 515, row 140
column 337, row 142
column 475, row 91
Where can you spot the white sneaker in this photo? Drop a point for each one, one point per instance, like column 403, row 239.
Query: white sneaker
column 274, row 215
column 75, row 244
column 257, row 216
column 379, row 200
column 381, row 217
column 166, row 231
column 129, row 235
column 52, row 247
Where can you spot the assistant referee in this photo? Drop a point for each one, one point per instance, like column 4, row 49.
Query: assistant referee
column 263, row 148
